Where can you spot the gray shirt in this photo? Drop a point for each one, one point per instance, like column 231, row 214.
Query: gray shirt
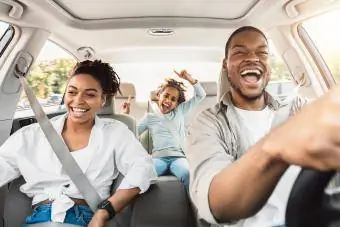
column 218, row 138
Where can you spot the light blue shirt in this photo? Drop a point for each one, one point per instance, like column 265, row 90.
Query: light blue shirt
column 163, row 138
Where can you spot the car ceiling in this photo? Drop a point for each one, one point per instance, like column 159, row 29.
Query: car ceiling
column 119, row 30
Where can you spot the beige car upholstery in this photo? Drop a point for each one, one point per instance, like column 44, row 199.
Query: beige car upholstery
column 138, row 109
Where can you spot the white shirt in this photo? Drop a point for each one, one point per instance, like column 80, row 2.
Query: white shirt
column 112, row 148
column 258, row 124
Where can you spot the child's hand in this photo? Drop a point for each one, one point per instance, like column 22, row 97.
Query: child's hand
column 125, row 108
column 186, row 76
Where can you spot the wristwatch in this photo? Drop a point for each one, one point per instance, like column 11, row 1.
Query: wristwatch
column 106, row 205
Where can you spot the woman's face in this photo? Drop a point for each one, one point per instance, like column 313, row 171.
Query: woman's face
column 84, row 97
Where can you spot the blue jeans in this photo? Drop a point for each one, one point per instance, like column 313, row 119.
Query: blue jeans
column 176, row 166
column 76, row 215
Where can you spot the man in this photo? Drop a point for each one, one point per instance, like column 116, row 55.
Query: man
column 235, row 162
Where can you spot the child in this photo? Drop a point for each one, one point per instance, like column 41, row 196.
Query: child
column 166, row 125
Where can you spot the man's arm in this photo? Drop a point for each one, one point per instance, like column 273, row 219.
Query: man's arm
column 221, row 188
column 243, row 187
column 309, row 139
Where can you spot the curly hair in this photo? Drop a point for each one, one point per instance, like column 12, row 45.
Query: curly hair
column 179, row 86
column 102, row 72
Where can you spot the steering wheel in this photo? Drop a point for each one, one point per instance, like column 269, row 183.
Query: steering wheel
column 309, row 205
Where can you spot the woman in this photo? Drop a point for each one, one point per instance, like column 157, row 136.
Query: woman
column 101, row 147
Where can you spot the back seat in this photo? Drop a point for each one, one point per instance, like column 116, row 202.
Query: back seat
column 108, row 111
column 209, row 101
column 138, row 109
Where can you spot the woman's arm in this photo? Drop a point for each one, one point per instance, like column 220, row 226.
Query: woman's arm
column 136, row 165
column 9, row 153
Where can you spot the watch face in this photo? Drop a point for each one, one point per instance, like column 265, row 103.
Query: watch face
column 106, row 203
column 107, row 206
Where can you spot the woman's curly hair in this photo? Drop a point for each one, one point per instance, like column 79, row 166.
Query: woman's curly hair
column 102, row 72
column 179, row 86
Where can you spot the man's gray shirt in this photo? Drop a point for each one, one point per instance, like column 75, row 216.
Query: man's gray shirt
column 216, row 139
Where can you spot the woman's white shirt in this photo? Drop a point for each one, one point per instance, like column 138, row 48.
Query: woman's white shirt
column 112, row 148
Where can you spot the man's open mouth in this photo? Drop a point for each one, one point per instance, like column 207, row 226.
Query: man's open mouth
column 251, row 75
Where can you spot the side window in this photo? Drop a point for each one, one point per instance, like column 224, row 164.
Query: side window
column 325, row 35
column 6, row 34
column 280, row 84
column 47, row 78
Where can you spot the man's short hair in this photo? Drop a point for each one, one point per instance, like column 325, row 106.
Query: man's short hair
column 239, row 30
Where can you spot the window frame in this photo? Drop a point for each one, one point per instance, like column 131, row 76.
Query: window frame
column 19, row 112
column 316, row 56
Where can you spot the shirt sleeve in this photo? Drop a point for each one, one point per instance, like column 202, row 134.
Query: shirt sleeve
column 142, row 125
column 207, row 155
column 199, row 95
column 9, row 154
column 298, row 103
column 134, row 163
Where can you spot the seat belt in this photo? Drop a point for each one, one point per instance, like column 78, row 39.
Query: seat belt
column 67, row 161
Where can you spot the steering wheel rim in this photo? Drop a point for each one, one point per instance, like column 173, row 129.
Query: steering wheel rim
column 309, row 205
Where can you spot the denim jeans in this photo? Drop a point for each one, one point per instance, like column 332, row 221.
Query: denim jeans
column 176, row 166
column 76, row 215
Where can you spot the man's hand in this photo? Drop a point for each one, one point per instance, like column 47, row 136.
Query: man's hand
column 125, row 108
column 186, row 76
column 312, row 137
column 99, row 218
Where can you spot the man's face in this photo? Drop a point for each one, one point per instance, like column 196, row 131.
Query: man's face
column 247, row 64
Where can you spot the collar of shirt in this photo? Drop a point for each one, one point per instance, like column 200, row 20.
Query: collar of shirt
column 92, row 147
column 272, row 103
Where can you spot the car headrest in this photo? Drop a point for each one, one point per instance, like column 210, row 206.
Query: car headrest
column 109, row 107
column 223, row 84
column 210, row 88
column 126, row 89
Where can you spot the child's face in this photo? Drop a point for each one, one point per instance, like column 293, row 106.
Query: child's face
column 168, row 100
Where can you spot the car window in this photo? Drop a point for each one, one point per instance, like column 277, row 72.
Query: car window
column 325, row 36
column 6, row 34
column 281, row 83
column 153, row 74
column 47, row 78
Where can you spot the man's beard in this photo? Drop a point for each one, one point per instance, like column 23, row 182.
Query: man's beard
column 244, row 96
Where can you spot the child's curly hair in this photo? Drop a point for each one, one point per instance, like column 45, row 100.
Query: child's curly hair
column 179, row 86
column 102, row 72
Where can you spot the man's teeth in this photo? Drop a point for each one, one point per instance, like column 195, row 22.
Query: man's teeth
column 253, row 71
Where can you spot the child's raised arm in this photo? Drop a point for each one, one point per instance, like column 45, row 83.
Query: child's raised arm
column 199, row 93
column 125, row 108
